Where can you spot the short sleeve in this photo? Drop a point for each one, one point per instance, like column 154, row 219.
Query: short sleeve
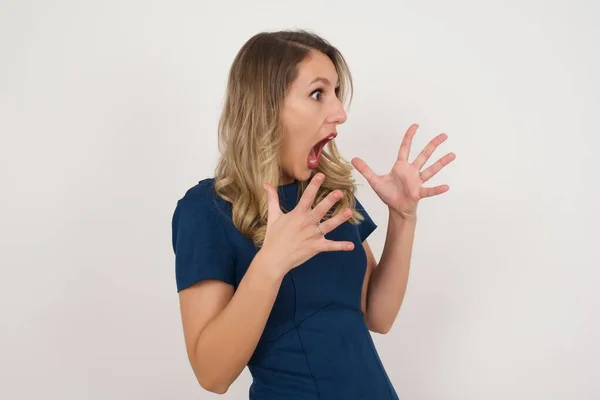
column 201, row 246
column 367, row 226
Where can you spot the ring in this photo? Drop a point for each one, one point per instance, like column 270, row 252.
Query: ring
column 319, row 229
column 313, row 218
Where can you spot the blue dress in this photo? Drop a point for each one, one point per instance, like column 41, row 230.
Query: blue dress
column 316, row 344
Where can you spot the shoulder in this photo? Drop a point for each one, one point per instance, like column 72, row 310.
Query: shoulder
column 201, row 193
column 200, row 206
column 200, row 239
column 367, row 225
column 202, row 200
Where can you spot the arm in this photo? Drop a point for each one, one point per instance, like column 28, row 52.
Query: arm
column 221, row 328
column 401, row 189
column 386, row 281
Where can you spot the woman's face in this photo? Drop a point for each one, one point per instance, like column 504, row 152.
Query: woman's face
column 310, row 114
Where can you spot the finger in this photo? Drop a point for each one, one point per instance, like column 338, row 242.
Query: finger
column 332, row 245
column 429, row 149
column 433, row 169
column 404, row 151
column 272, row 203
column 433, row 191
column 325, row 205
column 336, row 221
column 365, row 171
column 308, row 197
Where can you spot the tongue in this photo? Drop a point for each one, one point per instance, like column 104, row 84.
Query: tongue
column 313, row 157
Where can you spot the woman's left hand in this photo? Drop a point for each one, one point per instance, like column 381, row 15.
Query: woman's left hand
column 401, row 189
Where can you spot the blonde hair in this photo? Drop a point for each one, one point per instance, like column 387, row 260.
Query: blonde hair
column 250, row 130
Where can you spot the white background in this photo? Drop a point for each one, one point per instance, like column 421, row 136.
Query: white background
column 108, row 113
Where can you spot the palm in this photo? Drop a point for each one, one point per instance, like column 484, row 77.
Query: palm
column 402, row 188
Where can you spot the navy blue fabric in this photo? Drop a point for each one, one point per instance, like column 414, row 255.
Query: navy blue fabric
column 316, row 344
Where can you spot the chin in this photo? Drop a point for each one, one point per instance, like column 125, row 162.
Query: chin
column 307, row 174
column 303, row 174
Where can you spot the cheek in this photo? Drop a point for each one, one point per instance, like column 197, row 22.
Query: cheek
column 293, row 147
column 299, row 130
column 300, row 116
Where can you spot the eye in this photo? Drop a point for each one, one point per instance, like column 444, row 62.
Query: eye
column 317, row 92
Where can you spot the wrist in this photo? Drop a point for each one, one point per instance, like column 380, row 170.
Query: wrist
column 401, row 218
column 269, row 265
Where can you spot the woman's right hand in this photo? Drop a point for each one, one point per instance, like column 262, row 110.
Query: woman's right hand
column 294, row 237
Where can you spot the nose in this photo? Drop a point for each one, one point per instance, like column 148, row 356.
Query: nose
column 337, row 114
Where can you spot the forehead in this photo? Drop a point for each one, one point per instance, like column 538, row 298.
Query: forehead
column 316, row 65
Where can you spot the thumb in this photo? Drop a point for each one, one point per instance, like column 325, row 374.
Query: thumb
column 272, row 203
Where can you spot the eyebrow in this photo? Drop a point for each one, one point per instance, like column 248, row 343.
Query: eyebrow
column 320, row 79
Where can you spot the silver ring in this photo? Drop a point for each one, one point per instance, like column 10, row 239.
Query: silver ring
column 313, row 218
column 320, row 231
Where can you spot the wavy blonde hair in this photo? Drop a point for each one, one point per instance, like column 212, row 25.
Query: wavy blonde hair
column 250, row 129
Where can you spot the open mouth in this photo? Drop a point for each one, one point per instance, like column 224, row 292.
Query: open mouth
column 315, row 152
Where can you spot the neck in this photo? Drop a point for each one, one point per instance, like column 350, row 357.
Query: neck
column 285, row 179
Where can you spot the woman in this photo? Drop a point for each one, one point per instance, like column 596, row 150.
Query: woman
column 273, row 268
